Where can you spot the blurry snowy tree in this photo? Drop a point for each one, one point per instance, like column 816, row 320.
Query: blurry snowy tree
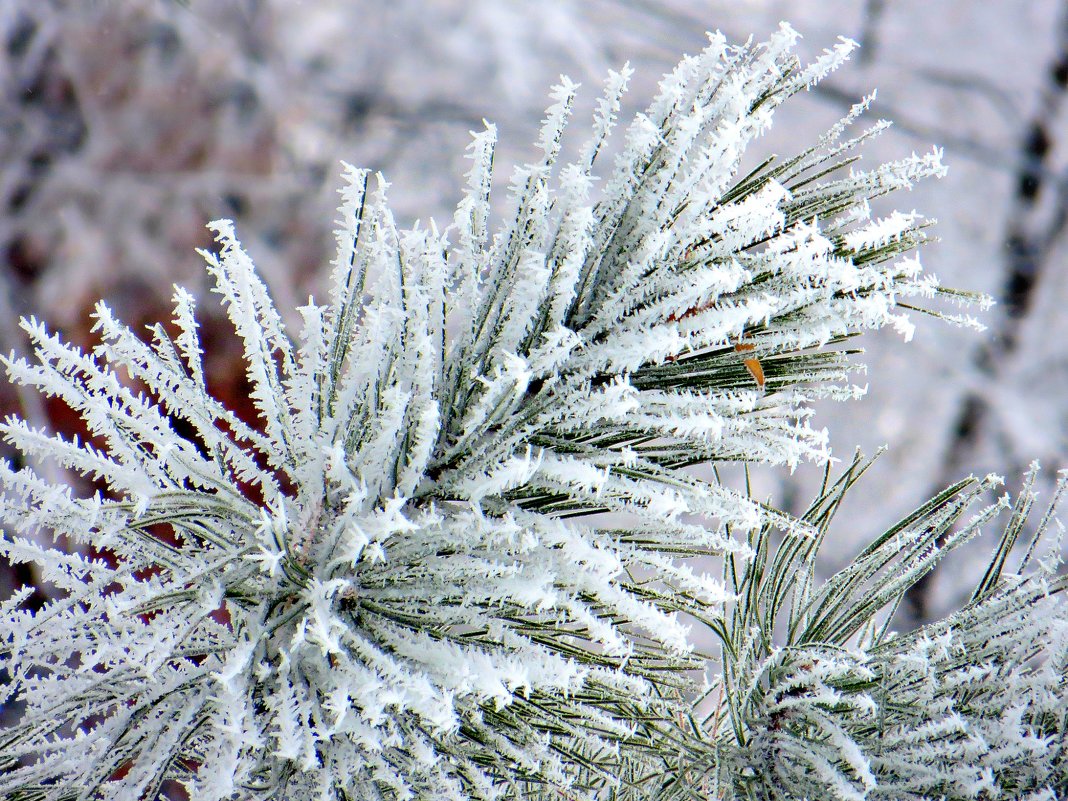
column 456, row 546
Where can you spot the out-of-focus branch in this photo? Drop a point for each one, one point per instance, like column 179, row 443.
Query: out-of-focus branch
column 869, row 32
column 1028, row 242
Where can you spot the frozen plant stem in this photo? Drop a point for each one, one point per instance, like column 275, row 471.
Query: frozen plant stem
column 390, row 584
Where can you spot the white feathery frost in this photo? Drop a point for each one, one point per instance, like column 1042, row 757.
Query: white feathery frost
column 396, row 579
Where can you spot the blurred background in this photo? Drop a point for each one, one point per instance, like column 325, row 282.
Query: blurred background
column 126, row 125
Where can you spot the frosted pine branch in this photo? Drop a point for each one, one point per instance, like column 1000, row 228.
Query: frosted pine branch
column 972, row 706
column 390, row 582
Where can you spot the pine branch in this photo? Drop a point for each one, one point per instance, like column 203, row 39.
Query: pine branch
column 825, row 701
column 390, row 583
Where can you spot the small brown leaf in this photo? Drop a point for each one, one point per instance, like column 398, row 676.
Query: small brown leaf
column 752, row 364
